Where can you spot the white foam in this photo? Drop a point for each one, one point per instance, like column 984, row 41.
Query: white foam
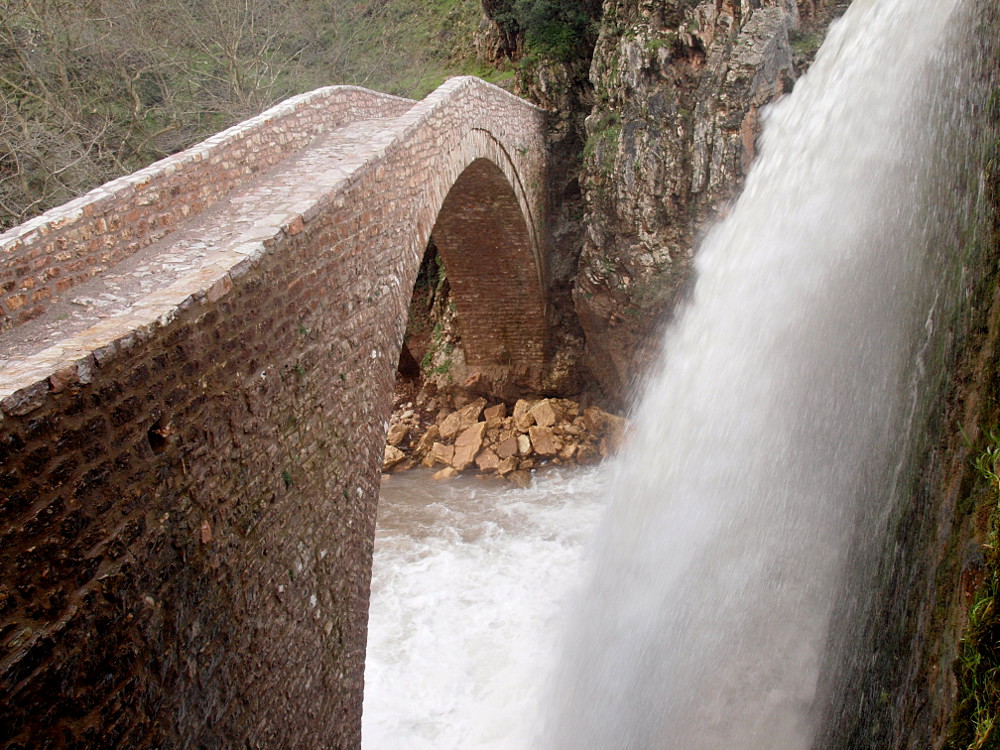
column 469, row 582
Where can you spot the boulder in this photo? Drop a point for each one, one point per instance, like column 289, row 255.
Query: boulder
column 446, row 473
column 441, row 453
column 467, row 445
column 543, row 441
column 570, row 428
column 487, row 460
column 524, row 445
column 567, row 452
column 609, row 427
column 507, row 448
column 522, row 415
column 568, row 410
column 587, row 454
column 397, row 433
column 462, row 419
column 426, row 441
column 507, row 465
column 499, row 411
column 544, row 413
column 393, row 456
column 408, row 463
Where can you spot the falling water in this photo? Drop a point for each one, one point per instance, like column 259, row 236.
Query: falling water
column 782, row 409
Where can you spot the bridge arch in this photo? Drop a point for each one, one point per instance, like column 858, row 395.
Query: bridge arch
column 191, row 469
column 486, row 233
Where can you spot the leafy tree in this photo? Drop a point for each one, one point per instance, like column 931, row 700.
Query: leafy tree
column 557, row 28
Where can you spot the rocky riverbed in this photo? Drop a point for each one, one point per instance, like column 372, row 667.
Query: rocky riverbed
column 499, row 438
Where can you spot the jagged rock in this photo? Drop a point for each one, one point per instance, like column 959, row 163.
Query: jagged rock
column 523, row 445
column 495, row 412
column 397, row 433
column 460, row 420
column 567, row 452
column 556, row 432
column 522, row 415
column 446, row 473
column 507, row 466
column 678, row 93
column 487, row 460
column 392, row 457
column 426, row 441
column 544, row 414
column 507, row 448
column 543, row 441
column 441, row 453
column 609, row 427
column 520, row 478
column 608, row 447
column 568, row 410
column 468, row 445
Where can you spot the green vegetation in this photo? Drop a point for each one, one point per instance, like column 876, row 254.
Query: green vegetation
column 974, row 722
column 805, row 44
column 602, row 143
column 556, row 29
column 92, row 90
column 974, row 725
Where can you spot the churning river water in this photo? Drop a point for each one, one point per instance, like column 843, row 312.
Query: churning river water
column 468, row 590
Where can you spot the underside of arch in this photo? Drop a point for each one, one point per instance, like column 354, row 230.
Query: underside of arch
column 488, row 252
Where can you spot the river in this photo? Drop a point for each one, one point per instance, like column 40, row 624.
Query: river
column 469, row 586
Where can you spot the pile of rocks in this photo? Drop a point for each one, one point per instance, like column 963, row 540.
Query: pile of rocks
column 486, row 438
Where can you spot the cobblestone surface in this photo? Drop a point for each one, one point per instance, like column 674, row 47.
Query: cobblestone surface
column 192, row 427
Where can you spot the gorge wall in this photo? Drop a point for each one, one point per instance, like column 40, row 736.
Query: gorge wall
column 652, row 129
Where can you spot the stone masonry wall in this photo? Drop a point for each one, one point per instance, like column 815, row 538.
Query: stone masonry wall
column 189, row 487
column 81, row 239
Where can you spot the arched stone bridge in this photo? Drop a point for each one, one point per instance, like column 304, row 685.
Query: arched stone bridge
column 196, row 364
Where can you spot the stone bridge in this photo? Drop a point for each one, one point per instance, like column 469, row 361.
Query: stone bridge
column 196, row 365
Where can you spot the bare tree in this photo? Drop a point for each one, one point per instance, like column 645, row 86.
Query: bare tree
column 91, row 89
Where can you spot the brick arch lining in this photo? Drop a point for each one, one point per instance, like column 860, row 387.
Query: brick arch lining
column 489, row 254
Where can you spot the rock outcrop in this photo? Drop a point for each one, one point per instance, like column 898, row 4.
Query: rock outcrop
column 678, row 88
column 488, row 440
column 651, row 132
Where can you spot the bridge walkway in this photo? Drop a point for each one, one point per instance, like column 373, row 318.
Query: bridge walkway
column 195, row 375
column 208, row 245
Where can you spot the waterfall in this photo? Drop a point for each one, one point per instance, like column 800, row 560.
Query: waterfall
column 779, row 420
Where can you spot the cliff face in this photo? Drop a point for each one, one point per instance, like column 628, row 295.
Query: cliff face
column 654, row 120
column 678, row 88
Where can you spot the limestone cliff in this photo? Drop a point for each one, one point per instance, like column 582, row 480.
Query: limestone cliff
column 678, row 88
column 654, row 119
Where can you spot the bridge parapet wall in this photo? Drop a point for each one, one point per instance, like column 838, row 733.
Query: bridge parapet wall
column 78, row 240
column 190, row 488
